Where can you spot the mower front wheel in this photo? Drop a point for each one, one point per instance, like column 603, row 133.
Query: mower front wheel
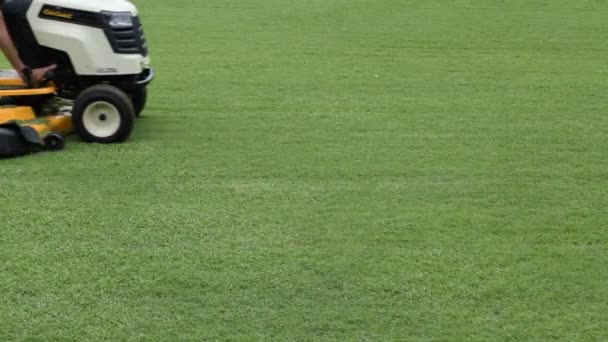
column 103, row 114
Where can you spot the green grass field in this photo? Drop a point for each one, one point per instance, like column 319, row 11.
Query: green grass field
column 331, row 170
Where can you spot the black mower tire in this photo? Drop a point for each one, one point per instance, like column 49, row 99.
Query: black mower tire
column 139, row 99
column 116, row 101
column 54, row 142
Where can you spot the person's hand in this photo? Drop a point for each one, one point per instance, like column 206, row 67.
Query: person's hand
column 33, row 77
column 38, row 74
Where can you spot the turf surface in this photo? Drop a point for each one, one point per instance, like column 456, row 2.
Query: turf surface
column 331, row 170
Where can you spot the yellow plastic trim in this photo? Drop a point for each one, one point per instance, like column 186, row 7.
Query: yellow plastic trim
column 16, row 113
column 28, row 91
column 11, row 81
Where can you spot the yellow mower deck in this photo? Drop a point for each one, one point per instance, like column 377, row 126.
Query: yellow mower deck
column 21, row 129
column 25, row 116
column 12, row 85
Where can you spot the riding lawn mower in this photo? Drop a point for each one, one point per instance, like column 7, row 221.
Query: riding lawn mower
column 101, row 76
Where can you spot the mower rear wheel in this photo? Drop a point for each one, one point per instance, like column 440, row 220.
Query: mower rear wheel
column 103, row 114
column 139, row 98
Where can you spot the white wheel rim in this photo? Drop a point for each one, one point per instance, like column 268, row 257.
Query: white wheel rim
column 101, row 119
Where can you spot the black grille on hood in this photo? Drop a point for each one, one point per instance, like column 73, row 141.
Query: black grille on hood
column 129, row 40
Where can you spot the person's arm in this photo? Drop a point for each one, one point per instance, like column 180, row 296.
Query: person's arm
column 8, row 47
column 10, row 51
